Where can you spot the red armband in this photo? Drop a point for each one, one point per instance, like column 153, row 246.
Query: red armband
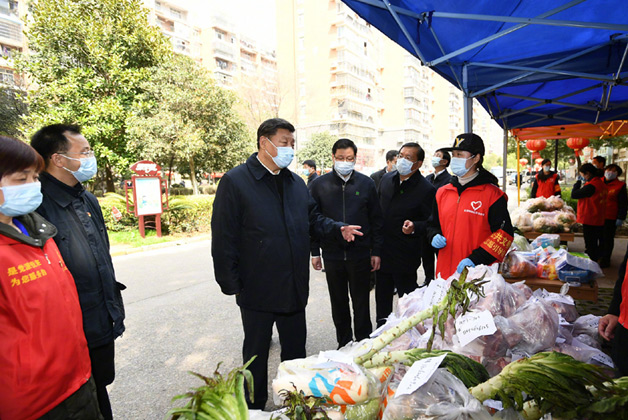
column 497, row 244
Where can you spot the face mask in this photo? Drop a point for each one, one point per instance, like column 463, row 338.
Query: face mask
column 86, row 171
column 393, row 167
column 436, row 161
column 284, row 155
column 404, row 166
column 459, row 166
column 547, row 168
column 344, row 168
column 610, row 175
column 21, row 199
column 305, row 172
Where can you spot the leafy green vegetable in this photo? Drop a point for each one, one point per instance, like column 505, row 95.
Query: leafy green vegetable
column 302, row 407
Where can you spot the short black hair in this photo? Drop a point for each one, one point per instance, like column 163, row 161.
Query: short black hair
column 420, row 152
column 588, row 168
column 344, row 144
column 51, row 139
column 309, row 163
column 269, row 128
column 616, row 168
column 546, row 161
column 391, row 154
column 17, row 156
column 600, row 159
column 446, row 156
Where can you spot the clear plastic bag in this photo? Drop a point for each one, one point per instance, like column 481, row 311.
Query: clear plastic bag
column 442, row 397
column 586, row 324
column 545, row 240
column 518, row 265
column 520, row 243
column 537, row 324
column 500, row 298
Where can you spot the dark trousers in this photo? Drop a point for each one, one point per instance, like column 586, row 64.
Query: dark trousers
column 258, row 331
column 344, row 278
column 618, row 350
column 427, row 260
column 385, row 289
column 608, row 241
column 103, row 372
column 81, row 405
column 592, row 240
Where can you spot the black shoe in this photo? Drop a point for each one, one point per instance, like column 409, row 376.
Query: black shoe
column 604, row 264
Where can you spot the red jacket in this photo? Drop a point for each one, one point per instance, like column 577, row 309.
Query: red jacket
column 612, row 199
column 43, row 352
column 548, row 187
column 591, row 210
column 464, row 222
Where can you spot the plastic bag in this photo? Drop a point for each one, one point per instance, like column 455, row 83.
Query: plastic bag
column 566, row 219
column 500, row 298
column 536, row 323
column 546, row 267
column 442, row 397
column 520, row 243
column 518, row 264
column 554, row 203
column 521, row 219
column 342, row 383
column 545, row 240
column 585, row 353
column 567, row 261
column 586, row 324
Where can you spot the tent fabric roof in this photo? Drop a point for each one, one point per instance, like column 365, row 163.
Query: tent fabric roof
column 530, row 63
column 602, row 130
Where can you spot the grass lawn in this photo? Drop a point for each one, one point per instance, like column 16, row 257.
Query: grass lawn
column 134, row 240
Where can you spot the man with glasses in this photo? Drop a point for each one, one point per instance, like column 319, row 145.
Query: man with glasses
column 406, row 199
column 84, row 245
column 348, row 196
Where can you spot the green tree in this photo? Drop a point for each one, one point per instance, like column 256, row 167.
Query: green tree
column 318, row 148
column 13, row 108
column 88, row 59
column 185, row 120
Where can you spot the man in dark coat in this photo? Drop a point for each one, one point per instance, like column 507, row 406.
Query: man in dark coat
column 262, row 219
column 309, row 170
column 391, row 160
column 406, row 199
column 346, row 195
column 439, row 178
column 84, row 245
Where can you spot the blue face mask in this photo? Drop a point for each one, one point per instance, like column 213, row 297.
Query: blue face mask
column 344, row 168
column 86, row 171
column 436, row 161
column 404, row 166
column 21, row 199
column 459, row 166
column 305, row 172
column 284, row 155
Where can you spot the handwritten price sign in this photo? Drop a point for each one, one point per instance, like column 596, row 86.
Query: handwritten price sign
column 473, row 325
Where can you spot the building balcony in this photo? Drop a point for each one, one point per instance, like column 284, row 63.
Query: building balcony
column 11, row 32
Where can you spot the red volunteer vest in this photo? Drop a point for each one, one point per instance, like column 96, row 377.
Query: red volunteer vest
column 548, row 187
column 464, row 223
column 43, row 351
column 623, row 307
column 612, row 206
column 591, row 210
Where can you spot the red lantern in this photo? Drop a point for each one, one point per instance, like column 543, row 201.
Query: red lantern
column 536, row 145
column 523, row 162
column 536, row 155
column 538, row 161
column 577, row 144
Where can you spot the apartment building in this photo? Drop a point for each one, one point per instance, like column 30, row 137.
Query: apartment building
column 12, row 39
column 347, row 78
column 173, row 18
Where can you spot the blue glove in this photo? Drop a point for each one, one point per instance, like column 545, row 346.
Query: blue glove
column 439, row 241
column 465, row 263
column 580, row 178
column 619, row 222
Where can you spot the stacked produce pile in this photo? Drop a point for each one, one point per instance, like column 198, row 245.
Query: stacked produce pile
column 542, row 259
column 547, row 215
column 460, row 342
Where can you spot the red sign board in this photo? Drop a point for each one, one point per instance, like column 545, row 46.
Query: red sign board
column 117, row 214
column 146, row 168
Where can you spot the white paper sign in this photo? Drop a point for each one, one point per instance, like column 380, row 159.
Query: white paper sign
column 603, row 359
column 494, row 404
column 436, row 291
column 420, row 372
column 557, row 297
column 473, row 325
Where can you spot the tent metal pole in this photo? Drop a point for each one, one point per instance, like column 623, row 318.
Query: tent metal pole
column 518, row 174
column 556, row 156
column 500, row 34
column 555, row 63
column 442, row 50
column 542, row 70
column 548, row 101
column 505, row 163
column 533, row 21
column 404, row 30
column 467, row 105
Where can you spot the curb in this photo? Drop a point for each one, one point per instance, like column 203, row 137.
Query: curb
column 183, row 241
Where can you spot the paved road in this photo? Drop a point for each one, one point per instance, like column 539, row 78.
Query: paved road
column 178, row 320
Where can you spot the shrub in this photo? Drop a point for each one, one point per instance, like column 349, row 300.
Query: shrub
column 186, row 214
column 180, row 191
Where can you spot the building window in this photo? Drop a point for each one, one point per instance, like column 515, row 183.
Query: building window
column 301, row 43
column 7, row 77
column 301, row 19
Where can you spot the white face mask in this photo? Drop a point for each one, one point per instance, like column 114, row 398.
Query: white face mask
column 344, row 168
column 404, row 166
column 609, row 175
column 547, row 168
column 436, row 161
column 459, row 166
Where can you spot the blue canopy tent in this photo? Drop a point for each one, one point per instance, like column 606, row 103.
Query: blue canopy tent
column 529, row 63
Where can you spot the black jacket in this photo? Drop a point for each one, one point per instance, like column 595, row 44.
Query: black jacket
column 412, row 200
column 377, row 177
column 261, row 237
column 311, row 177
column 354, row 202
column 498, row 216
column 84, row 245
column 442, row 179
